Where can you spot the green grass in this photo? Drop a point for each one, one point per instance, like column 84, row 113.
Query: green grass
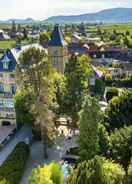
column 6, row 44
column 110, row 27
column 118, row 27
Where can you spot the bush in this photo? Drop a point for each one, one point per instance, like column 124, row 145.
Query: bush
column 99, row 87
column 111, row 92
column 12, row 169
column 103, row 140
column 23, row 114
column 48, row 174
column 97, row 171
column 129, row 173
column 120, row 145
column 119, row 111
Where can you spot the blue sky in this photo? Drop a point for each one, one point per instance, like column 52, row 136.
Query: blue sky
column 41, row 9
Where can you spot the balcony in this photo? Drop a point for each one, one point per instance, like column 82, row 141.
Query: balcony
column 11, row 116
column 9, row 80
column 6, row 95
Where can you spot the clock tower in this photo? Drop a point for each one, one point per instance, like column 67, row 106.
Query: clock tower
column 57, row 50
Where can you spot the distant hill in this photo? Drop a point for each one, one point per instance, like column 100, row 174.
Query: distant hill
column 115, row 15
column 19, row 21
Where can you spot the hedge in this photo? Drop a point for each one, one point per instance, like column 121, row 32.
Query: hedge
column 111, row 92
column 119, row 83
column 12, row 169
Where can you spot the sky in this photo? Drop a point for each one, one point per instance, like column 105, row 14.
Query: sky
column 41, row 9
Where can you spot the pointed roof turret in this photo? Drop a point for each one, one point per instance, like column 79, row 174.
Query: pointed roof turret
column 57, row 37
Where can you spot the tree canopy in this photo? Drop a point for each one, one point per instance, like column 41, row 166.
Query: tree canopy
column 88, row 125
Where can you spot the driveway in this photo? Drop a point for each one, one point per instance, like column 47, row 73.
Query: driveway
column 21, row 135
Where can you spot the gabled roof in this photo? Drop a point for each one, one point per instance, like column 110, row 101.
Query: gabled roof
column 17, row 51
column 97, row 72
column 57, row 37
column 12, row 56
column 8, row 56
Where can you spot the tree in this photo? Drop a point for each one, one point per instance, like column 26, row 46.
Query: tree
column 129, row 173
column 36, row 75
column 22, row 107
column 25, row 33
column 88, row 125
column 103, row 140
column 44, row 38
column 99, row 87
column 48, row 174
column 120, row 145
column 97, row 171
column 119, row 111
column 76, row 86
column 4, row 181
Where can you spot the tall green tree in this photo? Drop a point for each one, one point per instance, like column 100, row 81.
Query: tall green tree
column 97, row 171
column 22, row 107
column 120, row 145
column 103, row 140
column 119, row 111
column 36, row 75
column 129, row 173
column 44, row 38
column 89, row 118
column 76, row 86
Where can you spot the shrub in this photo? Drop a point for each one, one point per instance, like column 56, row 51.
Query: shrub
column 97, row 171
column 103, row 140
column 12, row 169
column 90, row 115
column 22, row 108
column 120, row 145
column 99, row 87
column 111, row 92
column 48, row 174
column 119, row 111
column 129, row 173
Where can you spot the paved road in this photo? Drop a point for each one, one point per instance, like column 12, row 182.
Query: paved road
column 21, row 135
column 36, row 157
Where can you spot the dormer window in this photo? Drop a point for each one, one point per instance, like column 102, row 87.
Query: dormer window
column 5, row 65
column 5, row 62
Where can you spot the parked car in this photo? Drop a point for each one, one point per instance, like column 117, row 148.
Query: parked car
column 71, row 159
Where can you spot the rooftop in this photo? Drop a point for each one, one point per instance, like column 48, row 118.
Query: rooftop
column 57, row 37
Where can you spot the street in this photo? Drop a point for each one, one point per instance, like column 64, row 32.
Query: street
column 21, row 135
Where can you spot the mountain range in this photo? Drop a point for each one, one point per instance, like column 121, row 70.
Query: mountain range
column 19, row 21
column 115, row 15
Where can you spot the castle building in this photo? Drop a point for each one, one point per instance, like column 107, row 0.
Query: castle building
column 7, row 89
column 8, row 64
column 57, row 50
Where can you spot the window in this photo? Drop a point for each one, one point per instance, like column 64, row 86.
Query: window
column 13, row 89
column 1, row 88
column 5, row 62
column 5, row 65
column 12, row 75
column 55, row 61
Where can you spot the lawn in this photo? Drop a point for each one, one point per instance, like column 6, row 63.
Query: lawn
column 6, row 44
column 110, row 27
